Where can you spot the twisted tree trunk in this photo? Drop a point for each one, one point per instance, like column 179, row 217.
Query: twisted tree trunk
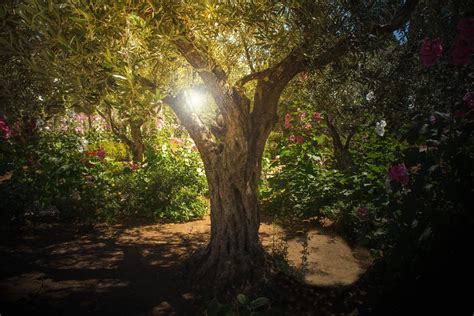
column 232, row 151
column 234, row 253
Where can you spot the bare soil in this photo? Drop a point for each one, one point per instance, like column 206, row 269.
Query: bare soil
column 140, row 270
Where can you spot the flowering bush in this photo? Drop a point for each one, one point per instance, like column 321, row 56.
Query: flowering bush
column 398, row 173
column 88, row 176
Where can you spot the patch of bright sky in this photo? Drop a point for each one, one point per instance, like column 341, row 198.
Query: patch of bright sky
column 401, row 34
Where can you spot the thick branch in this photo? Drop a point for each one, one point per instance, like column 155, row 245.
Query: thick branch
column 191, row 121
column 211, row 73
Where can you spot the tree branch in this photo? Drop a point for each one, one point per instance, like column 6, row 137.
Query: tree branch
column 253, row 76
column 211, row 73
column 400, row 18
column 116, row 131
column 349, row 138
column 190, row 120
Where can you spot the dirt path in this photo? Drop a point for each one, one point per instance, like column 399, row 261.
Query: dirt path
column 139, row 270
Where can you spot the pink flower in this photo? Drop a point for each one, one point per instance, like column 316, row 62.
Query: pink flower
column 7, row 132
column 362, row 212
column 292, row 138
column 134, row 166
column 466, row 29
column 461, row 52
column 101, row 153
column 469, row 99
column 317, row 117
column 302, row 115
column 17, row 125
column 305, row 76
column 81, row 117
column 287, row 120
column 299, row 139
column 160, row 124
column 399, row 173
column 431, row 51
column 307, row 127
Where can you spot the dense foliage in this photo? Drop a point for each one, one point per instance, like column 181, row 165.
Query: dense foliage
column 79, row 172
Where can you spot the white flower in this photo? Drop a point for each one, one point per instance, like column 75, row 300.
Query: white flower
column 380, row 127
column 370, row 96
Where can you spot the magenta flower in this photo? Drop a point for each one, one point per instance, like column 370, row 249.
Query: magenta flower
column 134, row 166
column 433, row 119
column 431, row 52
column 466, row 29
column 101, row 153
column 292, row 138
column 317, row 117
column 7, row 132
column 461, row 52
column 469, row 99
column 299, row 139
column 287, row 120
column 362, row 212
column 399, row 173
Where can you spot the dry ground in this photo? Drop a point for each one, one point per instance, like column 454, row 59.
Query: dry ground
column 139, row 270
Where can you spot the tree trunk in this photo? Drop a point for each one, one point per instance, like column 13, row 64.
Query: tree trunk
column 341, row 152
column 234, row 255
column 137, row 145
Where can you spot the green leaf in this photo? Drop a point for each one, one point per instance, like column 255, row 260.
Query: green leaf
column 242, row 299
column 259, row 302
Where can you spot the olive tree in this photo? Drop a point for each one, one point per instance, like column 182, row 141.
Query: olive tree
column 244, row 55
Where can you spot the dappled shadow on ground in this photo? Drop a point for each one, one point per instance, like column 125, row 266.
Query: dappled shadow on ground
column 136, row 270
column 100, row 270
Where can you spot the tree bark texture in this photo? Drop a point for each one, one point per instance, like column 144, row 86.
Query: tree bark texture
column 232, row 153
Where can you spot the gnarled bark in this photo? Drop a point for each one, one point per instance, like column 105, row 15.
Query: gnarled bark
column 232, row 155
